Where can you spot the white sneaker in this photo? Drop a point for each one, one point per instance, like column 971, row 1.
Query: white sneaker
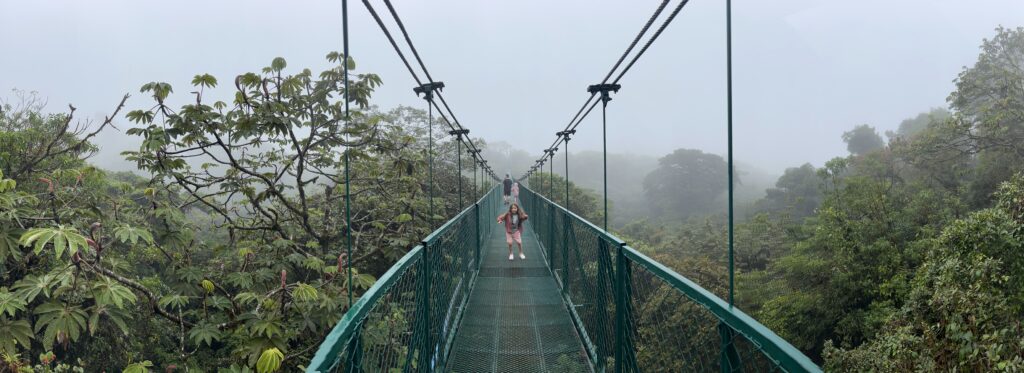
column 522, row 256
column 511, row 257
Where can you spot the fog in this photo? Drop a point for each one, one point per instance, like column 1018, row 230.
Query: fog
column 805, row 71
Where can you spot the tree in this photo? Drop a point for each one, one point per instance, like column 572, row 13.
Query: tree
column 910, row 127
column 962, row 313
column 232, row 250
column 686, row 183
column 862, row 139
column 797, row 192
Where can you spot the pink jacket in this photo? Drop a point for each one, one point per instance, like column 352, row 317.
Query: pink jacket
column 515, row 190
column 505, row 218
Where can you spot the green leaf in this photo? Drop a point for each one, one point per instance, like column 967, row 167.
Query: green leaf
column 205, row 333
column 107, row 291
column 173, row 301
column 142, row 367
column 403, row 218
column 267, row 328
column 246, row 298
column 241, row 280
column 31, row 286
column 270, row 361
column 62, row 322
column 305, row 292
column 235, row 368
column 14, row 333
column 115, row 315
column 278, row 64
column 313, row 263
column 129, row 234
column 205, row 80
column 61, row 237
column 10, row 303
column 9, row 246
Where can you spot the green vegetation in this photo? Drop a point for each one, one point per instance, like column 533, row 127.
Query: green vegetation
column 226, row 249
column 230, row 252
column 903, row 256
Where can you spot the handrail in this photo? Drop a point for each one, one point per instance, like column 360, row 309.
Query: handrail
column 346, row 328
column 426, row 332
column 787, row 356
column 779, row 352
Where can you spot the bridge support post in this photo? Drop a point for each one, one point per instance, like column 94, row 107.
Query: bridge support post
column 730, row 358
column 625, row 353
column 604, row 273
column 476, row 207
column 426, row 348
column 355, row 351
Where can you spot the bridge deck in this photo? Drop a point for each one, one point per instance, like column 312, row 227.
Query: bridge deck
column 515, row 320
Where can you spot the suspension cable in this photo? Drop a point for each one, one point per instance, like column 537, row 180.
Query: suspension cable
column 589, row 104
column 453, row 122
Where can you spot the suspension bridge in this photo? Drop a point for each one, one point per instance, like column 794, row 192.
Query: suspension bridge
column 582, row 300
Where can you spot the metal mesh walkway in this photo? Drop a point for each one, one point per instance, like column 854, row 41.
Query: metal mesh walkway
column 515, row 320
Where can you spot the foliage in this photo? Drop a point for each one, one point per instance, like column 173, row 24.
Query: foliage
column 686, row 183
column 862, row 139
column 231, row 253
column 582, row 201
column 798, row 192
column 961, row 313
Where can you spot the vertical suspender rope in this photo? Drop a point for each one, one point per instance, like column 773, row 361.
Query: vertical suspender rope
column 430, row 155
column 348, row 196
column 728, row 74
column 603, row 89
column 458, row 156
column 551, row 177
column 604, row 153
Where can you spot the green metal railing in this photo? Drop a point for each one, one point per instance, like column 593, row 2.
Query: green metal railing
column 407, row 320
column 635, row 314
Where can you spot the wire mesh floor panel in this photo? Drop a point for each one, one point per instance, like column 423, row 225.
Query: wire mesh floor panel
column 515, row 320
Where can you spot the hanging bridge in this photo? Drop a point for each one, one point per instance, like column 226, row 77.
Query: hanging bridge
column 582, row 300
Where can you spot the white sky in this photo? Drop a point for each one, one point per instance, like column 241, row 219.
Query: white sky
column 804, row 70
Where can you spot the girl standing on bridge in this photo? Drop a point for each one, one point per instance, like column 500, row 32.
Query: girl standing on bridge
column 515, row 192
column 514, row 219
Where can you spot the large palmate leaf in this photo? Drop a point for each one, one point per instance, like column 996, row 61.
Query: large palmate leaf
column 205, row 333
column 62, row 322
column 10, row 303
column 31, row 286
column 9, row 246
column 241, row 280
column 129, row 234
column 270, row 361
column 113, row 314
column 173, row 301
column 140, row 367
column 62, row 238
column 109, row 292
column 14, row 333
column 266, row 328
column 304, row 293
column 235, row 368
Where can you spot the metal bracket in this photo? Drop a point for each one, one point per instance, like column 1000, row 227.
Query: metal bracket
column 427, row 89
column 604, row 89
column 565, row 134
column 458, row 133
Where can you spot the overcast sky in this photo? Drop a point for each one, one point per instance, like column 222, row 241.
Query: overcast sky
column 804, row 71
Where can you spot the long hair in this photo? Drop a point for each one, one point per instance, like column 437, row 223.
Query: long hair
column 519, row 211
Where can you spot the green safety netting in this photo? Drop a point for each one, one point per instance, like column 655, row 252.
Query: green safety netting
column 582, row 300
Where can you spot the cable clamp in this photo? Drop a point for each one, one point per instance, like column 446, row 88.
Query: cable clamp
column 604, row 89
column 427, row 89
